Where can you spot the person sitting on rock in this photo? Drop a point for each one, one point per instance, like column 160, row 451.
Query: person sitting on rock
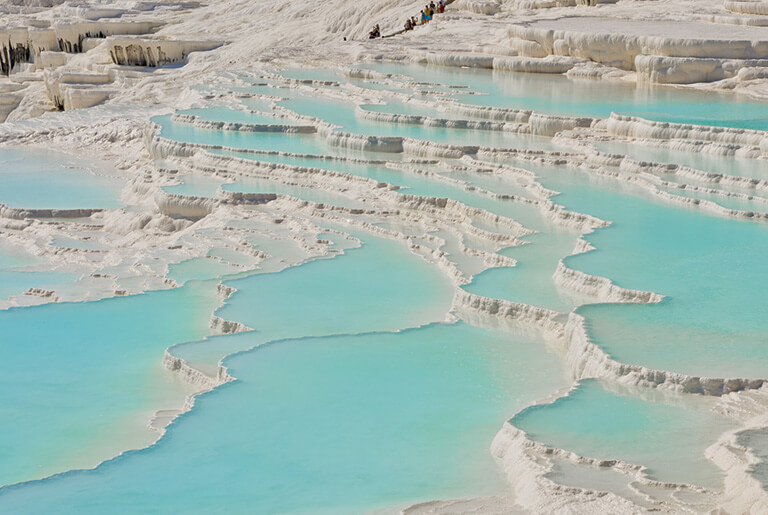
column 408, row 25
column 374, row 33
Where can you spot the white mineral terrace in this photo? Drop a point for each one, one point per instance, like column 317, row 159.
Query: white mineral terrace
column 102, row 81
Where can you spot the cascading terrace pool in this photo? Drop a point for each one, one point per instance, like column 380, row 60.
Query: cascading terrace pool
column 358, row 290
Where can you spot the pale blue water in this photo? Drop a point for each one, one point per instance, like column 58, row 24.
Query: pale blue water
column 323, row 380
column 378, row 287
column 298, row 143
column 16, row 282
column 195, row 185
column 302, row 192
column 379, row 86
column 271, row 90
column 501, row 184
column 558, row 94
column 413, row 109
column 417, row 184
column 256, row 104
column 529, row 282
column 12, row 256
column 47, row 179
column 16, row 277
column 343, row 115
column 713, row 163
column 711, row 269
column 85, row 382
column 198, row 269
column 351, row 395
column 667, row 435
column 232, row 257
column 330, row 425
column 363, row 169
column 223, row 114
column 756, row 204
column 73, row 243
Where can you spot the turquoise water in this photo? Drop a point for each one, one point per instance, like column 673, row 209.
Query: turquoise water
column 310, row 454
column 199, row 269
column 558, row 94
column 415, row 184
column 16, row 282
column 755, row 204
column 713, row 163
column 413, row 109
column 92, row 373
column 353, row 394
column 530, row 281
column 497, row 183
column 195, row 185
column 343, row 115
column 379, row 86
column 298, row 143
column 710, row 269
column 667, row 435
column 379, row 287
column 256, row 104
column 16, row 277
column 223, row 114
column 12, row 256
column 330, row 425
column 271, row 90
column 303, row 192
column 362, row 169
column 47, row 179
column 73, row 243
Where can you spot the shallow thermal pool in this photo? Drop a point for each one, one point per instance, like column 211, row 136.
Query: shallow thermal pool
column 709, row 268
column 557, row 94
column 372, row 365
column 666, row 434
column 53, row 180
column 400, row 425
column 20, row 270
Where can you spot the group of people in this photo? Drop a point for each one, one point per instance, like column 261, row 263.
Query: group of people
column 425, row 16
